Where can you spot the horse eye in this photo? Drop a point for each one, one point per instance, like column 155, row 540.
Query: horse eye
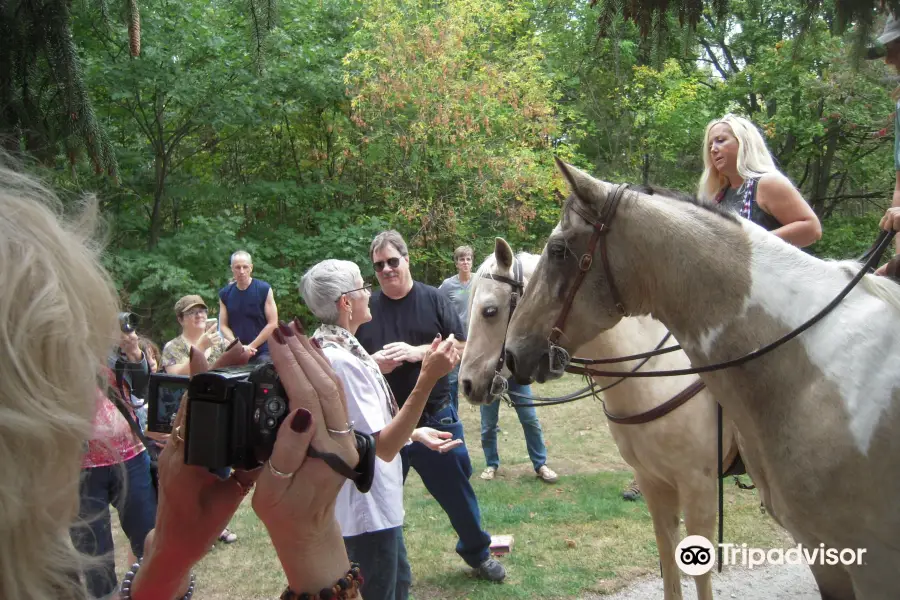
column 490, row 311
column 558, row 251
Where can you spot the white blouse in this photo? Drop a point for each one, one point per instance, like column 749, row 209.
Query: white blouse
column 368, row 407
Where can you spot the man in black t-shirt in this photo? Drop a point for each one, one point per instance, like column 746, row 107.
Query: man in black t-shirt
column 406, row 316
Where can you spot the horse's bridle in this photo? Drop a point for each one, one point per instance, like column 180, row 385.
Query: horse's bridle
column 601, row 226
column 498, row 384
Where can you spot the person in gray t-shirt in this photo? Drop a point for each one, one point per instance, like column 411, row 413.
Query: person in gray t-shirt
column 456, row 288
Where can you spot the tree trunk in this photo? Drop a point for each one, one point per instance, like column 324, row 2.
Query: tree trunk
column 161, row 166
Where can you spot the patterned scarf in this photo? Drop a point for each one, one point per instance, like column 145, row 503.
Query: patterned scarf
column 336, row 336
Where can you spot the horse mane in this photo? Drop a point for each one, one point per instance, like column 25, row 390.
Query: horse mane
column 655, row 190
column 529, row 262
column 883, row 288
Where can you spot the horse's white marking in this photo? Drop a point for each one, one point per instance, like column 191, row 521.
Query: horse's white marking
column 849, row 350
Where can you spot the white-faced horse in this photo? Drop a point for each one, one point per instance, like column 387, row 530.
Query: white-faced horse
column 819, row 416
column 673, row 454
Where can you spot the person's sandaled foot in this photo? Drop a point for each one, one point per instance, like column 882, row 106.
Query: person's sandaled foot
column 490, row 569
column 227, row 536
column 489, row 473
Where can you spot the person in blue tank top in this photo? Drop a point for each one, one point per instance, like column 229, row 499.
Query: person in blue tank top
column 247, row 308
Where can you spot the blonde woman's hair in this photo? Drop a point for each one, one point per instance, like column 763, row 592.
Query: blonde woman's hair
column 753, row 159
column 57, row 324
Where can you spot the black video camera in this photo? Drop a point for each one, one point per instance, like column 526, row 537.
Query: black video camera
column 127, row 322
column 233, row 418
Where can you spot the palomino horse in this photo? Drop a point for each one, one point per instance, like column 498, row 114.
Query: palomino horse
column 819, row 416
column 674, row 456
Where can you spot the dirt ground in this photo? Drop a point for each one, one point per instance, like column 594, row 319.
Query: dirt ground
column 774, row 582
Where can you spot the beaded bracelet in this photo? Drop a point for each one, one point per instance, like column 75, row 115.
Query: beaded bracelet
column 346, row 587
column 129, row 579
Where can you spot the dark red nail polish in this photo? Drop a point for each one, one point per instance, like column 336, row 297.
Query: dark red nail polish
column 276, row 335
column 285, row 330
column 300, row 326
column 190, row 354
column 315, row 343
column 301, row 420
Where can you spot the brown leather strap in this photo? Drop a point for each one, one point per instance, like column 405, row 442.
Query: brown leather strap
column 661, row 410
column 601, row 228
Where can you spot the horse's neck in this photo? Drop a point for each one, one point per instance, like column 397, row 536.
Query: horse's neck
column 681, row 263
column 726, row 289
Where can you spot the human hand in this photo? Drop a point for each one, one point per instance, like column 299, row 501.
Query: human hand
column 439, row 441
column 296, row 494
column 194, row 505
column 160, row 438
column 130, row 347
column 250, row 350
column 208, row 340
column 386, row 365
column 441, row 358
column 403, row 352
column 891, row 219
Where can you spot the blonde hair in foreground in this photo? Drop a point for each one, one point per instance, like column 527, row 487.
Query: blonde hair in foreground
column 753, row 159
column 57, row 324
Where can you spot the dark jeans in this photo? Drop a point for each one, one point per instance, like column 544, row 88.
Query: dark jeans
column 382, row 559
column 92, row 535
column 446, row 476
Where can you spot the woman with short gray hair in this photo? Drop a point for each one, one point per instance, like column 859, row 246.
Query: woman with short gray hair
column 372, row 523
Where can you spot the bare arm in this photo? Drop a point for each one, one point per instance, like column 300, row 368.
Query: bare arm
column 403, row 352
column 271, row 312
column 889, row 222
column 439, row 360
column 226, row 331
column 778, row 197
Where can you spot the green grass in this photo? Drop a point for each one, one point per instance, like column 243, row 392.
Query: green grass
column 573, row 537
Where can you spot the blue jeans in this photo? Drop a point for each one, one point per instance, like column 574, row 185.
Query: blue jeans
column 534, row 435
column 453, row 378
column 446, row 477
column 92, row 535
column 382, row 559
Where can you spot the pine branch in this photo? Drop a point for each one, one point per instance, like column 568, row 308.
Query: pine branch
column 134, row 27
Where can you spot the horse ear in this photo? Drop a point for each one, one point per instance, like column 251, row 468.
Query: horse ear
column 503, row 253
column 585, row 187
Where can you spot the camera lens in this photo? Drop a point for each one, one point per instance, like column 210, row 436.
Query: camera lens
column 127, row 322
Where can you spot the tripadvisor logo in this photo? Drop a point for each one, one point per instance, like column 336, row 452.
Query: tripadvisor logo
column 696, row 555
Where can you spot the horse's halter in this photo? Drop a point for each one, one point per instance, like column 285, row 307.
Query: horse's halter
column 559, row 358
column 499, row 384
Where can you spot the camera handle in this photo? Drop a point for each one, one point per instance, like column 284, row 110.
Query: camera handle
column 364, row 473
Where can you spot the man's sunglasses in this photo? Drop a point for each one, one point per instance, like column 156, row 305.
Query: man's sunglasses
column 393, row 262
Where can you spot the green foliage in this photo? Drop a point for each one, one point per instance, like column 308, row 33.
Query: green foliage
column 846, row 238
column 300, row 133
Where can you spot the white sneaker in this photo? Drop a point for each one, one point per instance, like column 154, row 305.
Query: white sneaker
column 547, row 474
column 488, row 473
